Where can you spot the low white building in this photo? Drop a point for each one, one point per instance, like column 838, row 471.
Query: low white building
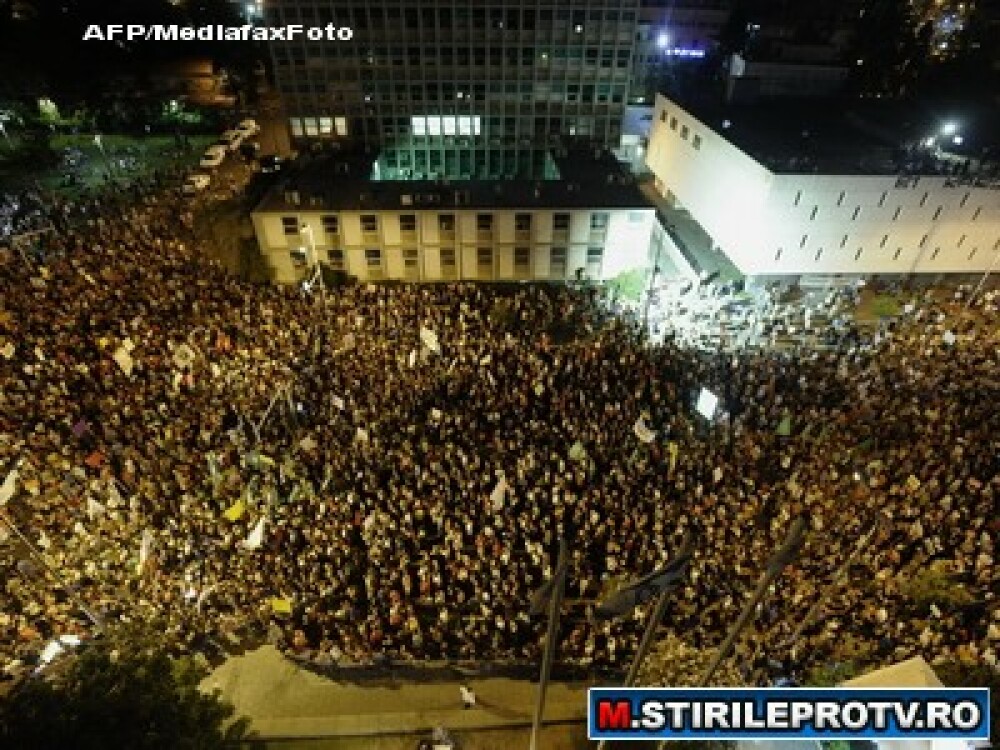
column 594, row 223
column 812, row 189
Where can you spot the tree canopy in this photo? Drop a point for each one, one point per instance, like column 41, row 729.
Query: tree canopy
column 107, row 694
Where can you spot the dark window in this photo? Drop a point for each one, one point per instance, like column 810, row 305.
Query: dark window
column 369, row 223
column 290, row 224
column 522, row 222
column 560, row 222
column 598, row 221
column 446, row 222
column 373, row 256
column 484, row 222
column 331, row 225
column 407, row 223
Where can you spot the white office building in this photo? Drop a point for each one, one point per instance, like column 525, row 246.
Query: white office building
column 594, row 224
column 855, row 189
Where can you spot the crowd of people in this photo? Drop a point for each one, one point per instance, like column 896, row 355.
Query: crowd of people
column 386, row 471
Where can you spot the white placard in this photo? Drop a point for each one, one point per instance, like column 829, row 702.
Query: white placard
column 707, row 403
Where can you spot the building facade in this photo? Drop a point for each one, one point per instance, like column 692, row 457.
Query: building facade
column 823, row 220
column 674, row 32
column 436, row 244
column 443, row 88
column 592, row 223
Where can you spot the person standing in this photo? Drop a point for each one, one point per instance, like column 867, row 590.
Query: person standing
column 468, row 696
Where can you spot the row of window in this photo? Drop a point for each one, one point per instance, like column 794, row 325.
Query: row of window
column 895, row 255
column 341, row 55
column 461, row 126
column 364, row 18
column 484, row 258
column 881, row 202
column 446, row 222
column 685, row 131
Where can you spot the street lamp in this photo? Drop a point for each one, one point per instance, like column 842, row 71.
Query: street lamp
column 949, row 128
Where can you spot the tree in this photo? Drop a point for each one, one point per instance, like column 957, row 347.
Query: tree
column 118, row 692
column 960, row 674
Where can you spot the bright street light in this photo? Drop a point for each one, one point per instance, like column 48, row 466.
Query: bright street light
column 663, row 40
column 957, row 140
column 949, row 128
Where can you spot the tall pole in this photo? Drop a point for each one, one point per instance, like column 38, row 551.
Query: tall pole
column 652, row 281
column 837, row 578
column 779, row 560
column 555, row 604
column 52, row 571
column 982, row 281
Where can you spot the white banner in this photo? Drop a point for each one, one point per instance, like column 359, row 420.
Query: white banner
column 498, row 494
column 8, row 487
column 124, row 360
column 642, row 432
column 430, row 340
column 256, row 537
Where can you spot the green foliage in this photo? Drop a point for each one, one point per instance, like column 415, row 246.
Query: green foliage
column 832, row 673
column 959, row 674
column 935, row 584
column 885, row 306
column 121, row 692
column 631, row 285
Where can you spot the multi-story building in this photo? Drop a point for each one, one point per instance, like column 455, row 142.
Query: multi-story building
column 674, row 32
column 443, row 88
column 855, row 188
column 592, row 223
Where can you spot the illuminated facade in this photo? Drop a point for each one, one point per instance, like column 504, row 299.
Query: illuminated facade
column 449, row 89
column 591, row 223
column 782, row 199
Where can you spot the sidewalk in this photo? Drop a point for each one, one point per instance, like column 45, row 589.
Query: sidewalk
column 283, row 701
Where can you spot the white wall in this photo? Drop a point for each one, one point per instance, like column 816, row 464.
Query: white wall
column 799, row 224
column 723, row 188
column 625, row 243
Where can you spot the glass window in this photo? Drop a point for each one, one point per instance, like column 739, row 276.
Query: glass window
column 373, row 257
column 560, row 223
column 330, row 224
column 598, row 221
column 369, row 223
column 408, row 223
column 446, row 222
column 484, row 222
column 290, row 224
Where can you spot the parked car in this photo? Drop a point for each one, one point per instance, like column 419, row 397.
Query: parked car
column 213, row 157
column 248, row 128
column 195, row 183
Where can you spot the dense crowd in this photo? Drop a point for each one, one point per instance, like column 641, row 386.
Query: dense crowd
column 221, row 458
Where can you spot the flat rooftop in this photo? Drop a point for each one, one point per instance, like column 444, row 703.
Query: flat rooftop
column 342, row 182
column 858, row 136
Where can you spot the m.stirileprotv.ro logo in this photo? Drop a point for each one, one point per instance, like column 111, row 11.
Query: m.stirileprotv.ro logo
column 785, row 713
